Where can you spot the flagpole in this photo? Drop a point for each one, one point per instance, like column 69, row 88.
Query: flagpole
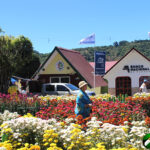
column 90, row 40
column 94, row 67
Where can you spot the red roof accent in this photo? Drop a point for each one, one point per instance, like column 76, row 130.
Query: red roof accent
column 82, row 66
column 108, row 64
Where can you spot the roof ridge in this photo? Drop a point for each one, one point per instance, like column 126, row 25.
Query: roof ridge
column 61, row 48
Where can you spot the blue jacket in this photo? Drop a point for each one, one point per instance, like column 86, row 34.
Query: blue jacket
column 81, row 101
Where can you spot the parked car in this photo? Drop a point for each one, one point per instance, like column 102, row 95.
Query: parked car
column 62, row 89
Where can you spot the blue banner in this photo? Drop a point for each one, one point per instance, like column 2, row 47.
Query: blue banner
column 100, row 63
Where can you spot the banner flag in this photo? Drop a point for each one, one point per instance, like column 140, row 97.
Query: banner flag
column 149, row 34
column 88, row 40
column 100, row 58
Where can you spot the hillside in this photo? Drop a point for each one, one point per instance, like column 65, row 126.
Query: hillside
column 113, row 52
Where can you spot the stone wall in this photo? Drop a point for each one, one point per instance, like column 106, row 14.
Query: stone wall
column 112, row 91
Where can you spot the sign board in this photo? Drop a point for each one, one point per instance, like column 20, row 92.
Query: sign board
column 100, row 63
column 131, row 68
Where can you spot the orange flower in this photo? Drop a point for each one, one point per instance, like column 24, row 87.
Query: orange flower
column 147, row 120
column 34, row 147
column 79, row 117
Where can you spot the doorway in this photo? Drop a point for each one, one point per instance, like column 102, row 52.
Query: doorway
column 123, row 86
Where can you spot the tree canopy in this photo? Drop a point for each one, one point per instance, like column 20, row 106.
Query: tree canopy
column 113, row 52
column 16, row 58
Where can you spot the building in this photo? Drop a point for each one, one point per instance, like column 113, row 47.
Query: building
column 108, row 64
column 67, row 66
column 127, row 74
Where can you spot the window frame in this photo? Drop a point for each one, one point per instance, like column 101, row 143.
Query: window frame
column 59, row 78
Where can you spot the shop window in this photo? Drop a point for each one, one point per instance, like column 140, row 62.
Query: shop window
column 123, row 86
column 65, row 79
column 54, row 80
column 141, row 79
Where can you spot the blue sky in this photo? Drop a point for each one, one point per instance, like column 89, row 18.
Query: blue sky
column 50, row 23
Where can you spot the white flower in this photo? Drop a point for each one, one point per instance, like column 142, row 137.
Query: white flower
column 3, row 148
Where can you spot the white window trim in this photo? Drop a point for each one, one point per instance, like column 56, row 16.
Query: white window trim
column 59, row 78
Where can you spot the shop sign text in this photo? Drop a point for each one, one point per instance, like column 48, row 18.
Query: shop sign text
column 131, row 68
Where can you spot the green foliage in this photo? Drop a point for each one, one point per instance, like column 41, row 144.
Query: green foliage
column 16, row 58
column 26, row 63
column 29, row 68
column 41, row 56
column 6, row 65
column 113, row 52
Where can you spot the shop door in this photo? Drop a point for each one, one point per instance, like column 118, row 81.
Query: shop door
column 123, row 86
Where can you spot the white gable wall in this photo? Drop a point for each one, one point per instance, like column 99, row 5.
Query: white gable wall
column 133, row 58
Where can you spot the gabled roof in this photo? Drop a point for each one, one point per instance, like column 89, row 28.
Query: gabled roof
column 125, row 56
column 79, row 65
column 108, row 64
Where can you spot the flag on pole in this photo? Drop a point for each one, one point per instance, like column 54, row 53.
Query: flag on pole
column 88, row 40
column 149, row 35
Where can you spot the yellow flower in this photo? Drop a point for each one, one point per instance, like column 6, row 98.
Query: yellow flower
column 62, row 123
column 44, row 140
column 6, row 145
column 26, row 144
column 58, row 98
column 46, row 135
column 55, row 135
column 49, row 131
column 100, row 146
column 3, row 125
column 76, row 126
column 87, row 143
column 125, row 129
column 76, row 130
column 50, row 140
column 28, row 115
column 55, row 141
column 77, row 142
column 45, row 144
column 93, row 149
column 53, row 144
column 8, row 130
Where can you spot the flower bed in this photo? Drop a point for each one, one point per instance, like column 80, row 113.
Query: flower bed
column 114, row 124
column 141, row 98
column 111, row 112
column 29, row 133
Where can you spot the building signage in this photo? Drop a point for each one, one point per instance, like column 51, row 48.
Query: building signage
column 59, row 65
column 100, row 63
column 131, row 68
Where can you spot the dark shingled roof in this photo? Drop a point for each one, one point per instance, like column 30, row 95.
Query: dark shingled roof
column 82, row 66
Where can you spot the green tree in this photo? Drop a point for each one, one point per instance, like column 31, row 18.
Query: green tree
column 6, row 67
column 16, row 58
column 29, row 68
column 22, row 54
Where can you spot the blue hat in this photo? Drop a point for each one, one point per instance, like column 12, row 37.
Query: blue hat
column 145, row 80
